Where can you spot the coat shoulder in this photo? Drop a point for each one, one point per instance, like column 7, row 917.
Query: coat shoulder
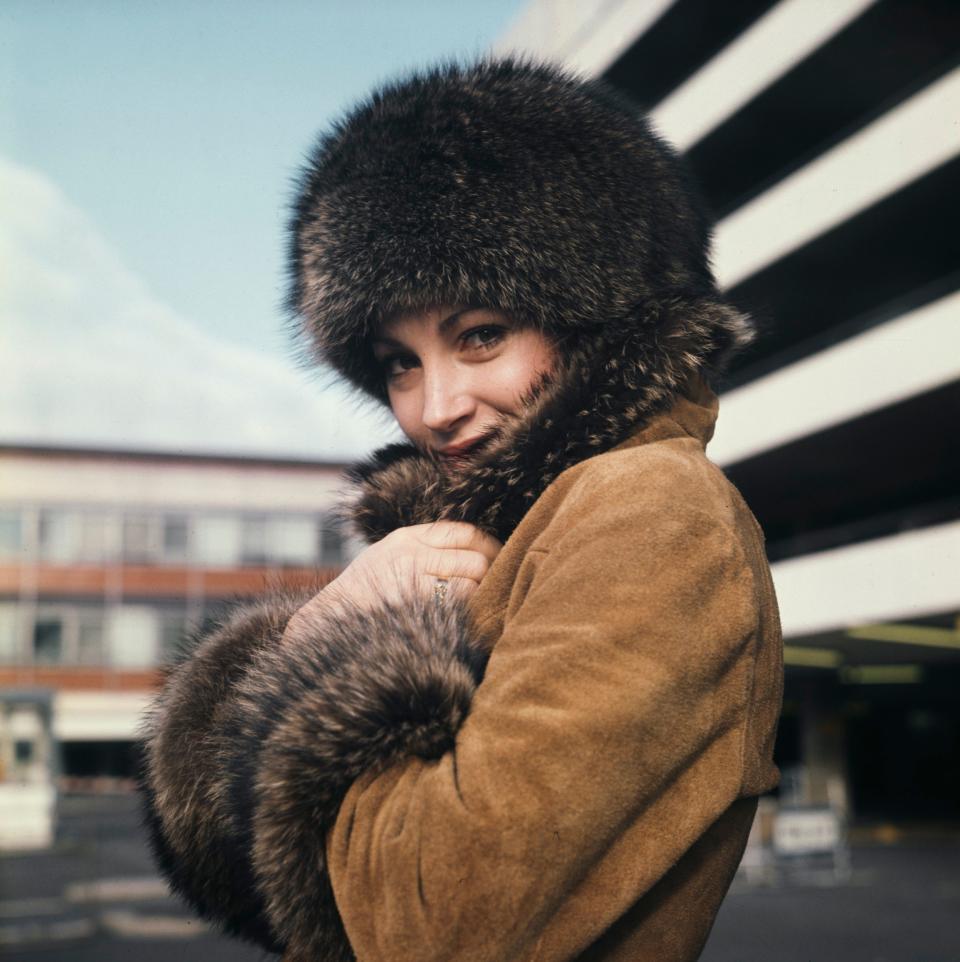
column 673, row 475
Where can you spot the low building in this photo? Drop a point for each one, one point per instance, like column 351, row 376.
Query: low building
column 108, row 559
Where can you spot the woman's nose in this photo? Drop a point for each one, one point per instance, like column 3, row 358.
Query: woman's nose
column 447, row 400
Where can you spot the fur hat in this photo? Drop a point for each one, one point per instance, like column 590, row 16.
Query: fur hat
column 503, row 184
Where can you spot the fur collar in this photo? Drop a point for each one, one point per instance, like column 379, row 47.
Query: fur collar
column 597, row 398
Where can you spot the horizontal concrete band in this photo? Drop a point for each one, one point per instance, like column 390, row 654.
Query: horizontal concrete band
column 905, row 576
column 907, row 356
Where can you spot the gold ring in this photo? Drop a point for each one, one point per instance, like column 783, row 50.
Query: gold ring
column 440, row 592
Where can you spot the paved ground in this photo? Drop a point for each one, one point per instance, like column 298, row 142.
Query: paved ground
column 96, row 898
column 901, row 904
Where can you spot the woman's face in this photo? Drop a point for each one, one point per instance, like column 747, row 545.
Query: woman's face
column 451, row 372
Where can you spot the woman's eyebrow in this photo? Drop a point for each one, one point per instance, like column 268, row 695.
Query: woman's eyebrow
column 442, row 327
column 452, row 319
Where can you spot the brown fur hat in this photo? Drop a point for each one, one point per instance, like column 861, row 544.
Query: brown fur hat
column 503, row 184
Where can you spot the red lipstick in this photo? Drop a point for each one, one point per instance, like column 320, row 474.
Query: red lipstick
column 462, row 450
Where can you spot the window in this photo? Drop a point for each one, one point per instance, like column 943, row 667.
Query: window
column 132, row 635
column 292, row 540
column 173, row 633
column 9, row 633
column 11, row 534
column 254, row 540
column 90, row 638
column 139, row 545
column 331, row 543
column 23, row 751
column 176, row 538
column 219, row 541
column 98, row 537
column 48, row 640
column 59, row 536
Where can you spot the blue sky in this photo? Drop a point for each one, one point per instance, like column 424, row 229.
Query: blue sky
column 148, row 148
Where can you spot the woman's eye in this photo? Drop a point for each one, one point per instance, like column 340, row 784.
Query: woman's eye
column 483, row 337
column 396, row 364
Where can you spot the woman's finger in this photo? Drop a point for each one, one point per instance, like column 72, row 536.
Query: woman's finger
column 444, row 590
column 454, row 563
column 458, row 534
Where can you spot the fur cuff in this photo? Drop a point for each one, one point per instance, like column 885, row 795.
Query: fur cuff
column 358, row 691
column 182, row 775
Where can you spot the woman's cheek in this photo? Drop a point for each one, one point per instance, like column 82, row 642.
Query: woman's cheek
column 407, row 410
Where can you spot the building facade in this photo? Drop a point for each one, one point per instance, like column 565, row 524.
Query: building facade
column 109, row 559
column 825, row 138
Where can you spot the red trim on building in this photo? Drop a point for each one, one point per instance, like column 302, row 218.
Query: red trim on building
column 79, row 678
column 150, row 581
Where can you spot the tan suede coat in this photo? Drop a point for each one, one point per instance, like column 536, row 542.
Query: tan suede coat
column 600, row 792
column 380, row 789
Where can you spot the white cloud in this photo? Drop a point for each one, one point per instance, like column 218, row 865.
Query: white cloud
column 89, row 357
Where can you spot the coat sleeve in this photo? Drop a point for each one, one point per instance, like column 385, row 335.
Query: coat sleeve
column 613, row 702
column 252, row 744
column 184, row 778
column 358, row 783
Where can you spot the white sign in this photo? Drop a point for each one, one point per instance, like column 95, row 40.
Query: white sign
column 806, row 831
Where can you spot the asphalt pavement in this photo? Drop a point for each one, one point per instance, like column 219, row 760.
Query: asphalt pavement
column 95, row 897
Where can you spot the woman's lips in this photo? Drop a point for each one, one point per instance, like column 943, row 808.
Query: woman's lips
column 464, row 450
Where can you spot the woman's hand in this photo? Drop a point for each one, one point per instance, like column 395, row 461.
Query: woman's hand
column 408, row 559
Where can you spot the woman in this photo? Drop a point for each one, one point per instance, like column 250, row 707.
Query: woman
column 546, row 750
